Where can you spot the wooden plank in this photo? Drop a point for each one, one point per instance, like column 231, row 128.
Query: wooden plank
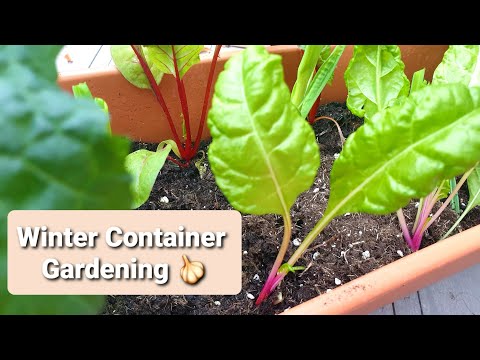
column 102, row 59
column 80, row 56
column 385, row 310
column 409, row 305
column 456, row 295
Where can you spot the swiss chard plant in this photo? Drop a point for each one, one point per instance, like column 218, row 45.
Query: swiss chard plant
column 55, row 153
column 263, row 154
column 144, row 66
column 376, row 80
column 461, row 64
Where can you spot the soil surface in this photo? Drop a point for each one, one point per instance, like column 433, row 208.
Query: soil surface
column 351, row 246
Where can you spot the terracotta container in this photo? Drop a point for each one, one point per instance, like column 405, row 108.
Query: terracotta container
column 135, row 113
column 398, row 279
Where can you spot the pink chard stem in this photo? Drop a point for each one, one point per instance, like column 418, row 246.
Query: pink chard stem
column 424, row 221
column 404, row 227
column 273, row 279
column 182, row 94
column 159, row 97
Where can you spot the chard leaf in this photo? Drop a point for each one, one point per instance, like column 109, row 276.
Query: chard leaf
column 162, row 57
column 127, row 63
column 325, row 52
column 320, row 80
column 405, row 151
column 473, row 189
column 173, row 144
column 418, row 80
column 144, row 166
column 55, row 153
column 443, row 189
column 263, row 153
column 375, row 78
column 460, row 64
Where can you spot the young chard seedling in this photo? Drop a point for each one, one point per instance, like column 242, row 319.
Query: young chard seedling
column 263, row 155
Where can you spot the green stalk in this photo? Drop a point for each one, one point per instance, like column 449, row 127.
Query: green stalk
column 312, row 235
column 455, row 201
column 305, row 72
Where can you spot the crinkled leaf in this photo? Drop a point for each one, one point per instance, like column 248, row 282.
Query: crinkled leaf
column 144, row 166
column 162, row 56
column 320, row 80
column 375, row 78
column 405, row 151
column 460, row 64
column 263, row 153
column 127, row 63
column 55, row 153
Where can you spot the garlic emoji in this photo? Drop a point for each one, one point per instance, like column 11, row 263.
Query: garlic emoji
column 191, row 272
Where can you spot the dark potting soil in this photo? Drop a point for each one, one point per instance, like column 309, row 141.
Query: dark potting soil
column 338, row 255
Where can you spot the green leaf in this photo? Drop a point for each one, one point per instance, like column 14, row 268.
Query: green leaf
column 474, row 188
column 82, row 91
column 127, row 63
column 55, row 153
column 375, row 78
column 144, row 166
column 443, row 189
column 405, row 151
column 473, row 200
column 325, row 52
column 173, row 144
column 305, row 73
column 460, row 64
column 322, row 77
column 287, row 268
column 418, row 80
column 263, row 153
column 35, row 58
column 163, row 56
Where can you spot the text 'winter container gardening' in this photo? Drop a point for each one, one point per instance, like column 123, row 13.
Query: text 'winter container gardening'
column 124, row 252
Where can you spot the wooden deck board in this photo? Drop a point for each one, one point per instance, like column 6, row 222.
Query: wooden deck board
column 409, row 305
column 384, row 310
column 456, row 295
